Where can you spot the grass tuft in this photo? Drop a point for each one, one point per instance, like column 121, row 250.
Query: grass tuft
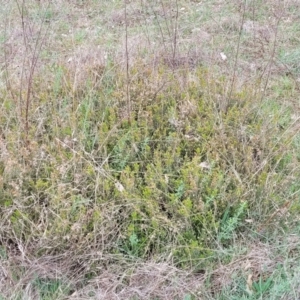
column 151, row 154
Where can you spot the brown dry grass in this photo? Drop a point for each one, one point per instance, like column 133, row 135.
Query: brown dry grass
column 86, row 40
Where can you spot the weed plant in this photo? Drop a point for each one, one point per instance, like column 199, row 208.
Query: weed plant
column 114, row 170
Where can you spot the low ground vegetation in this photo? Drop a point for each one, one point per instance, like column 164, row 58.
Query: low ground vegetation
column 149, row 151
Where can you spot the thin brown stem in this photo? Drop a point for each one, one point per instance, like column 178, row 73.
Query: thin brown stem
column 128, row 102
column 175, row 31
column 29, row 64
column 237, row 51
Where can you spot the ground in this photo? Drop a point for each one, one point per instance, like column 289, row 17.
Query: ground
column 149, row 149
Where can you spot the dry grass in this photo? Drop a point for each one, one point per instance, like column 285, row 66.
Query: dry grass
column 106, row 176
